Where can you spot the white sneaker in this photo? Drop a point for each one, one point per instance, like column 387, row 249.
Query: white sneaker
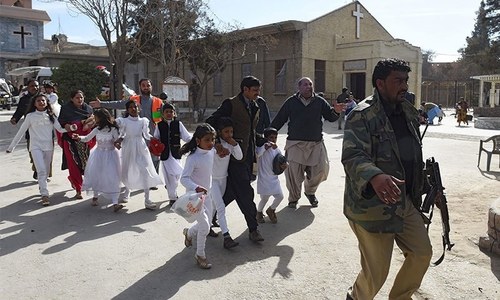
column 149, row 204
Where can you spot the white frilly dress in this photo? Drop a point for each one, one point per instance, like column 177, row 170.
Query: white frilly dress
column 138, row 171
column 103, row 170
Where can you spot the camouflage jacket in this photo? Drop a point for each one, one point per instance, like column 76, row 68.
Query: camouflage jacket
column 370, row 148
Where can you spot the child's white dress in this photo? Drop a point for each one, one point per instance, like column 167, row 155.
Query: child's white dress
column 103, row 170
column 138, row 171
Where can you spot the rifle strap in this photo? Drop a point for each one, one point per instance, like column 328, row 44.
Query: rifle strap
column 440, row 260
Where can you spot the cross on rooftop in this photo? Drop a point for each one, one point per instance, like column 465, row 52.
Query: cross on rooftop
column 359, row 15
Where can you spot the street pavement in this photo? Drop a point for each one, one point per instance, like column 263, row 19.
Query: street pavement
column 71, row 250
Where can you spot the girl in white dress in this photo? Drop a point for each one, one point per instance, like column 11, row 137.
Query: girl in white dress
column 197, row 176
column 40, row 122
column 138, row 171
column 170, row 132
column 268, row 183
column 103, row 170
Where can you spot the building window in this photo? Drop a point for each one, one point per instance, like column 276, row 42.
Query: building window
column 280, row 76
column 218, row 83
column 246, row 70
column 319, row 75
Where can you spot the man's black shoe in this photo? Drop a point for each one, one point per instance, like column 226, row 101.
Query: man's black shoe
column 255, row 236
column 212, row 233
column 312, row 199
column 214, row 221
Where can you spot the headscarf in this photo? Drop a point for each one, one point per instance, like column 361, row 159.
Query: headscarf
column 70, row 113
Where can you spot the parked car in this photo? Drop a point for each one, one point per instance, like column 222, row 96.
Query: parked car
column 5, row 95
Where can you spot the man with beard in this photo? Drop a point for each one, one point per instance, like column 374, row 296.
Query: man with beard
column 149, row 105
column 244, row 113
column 305, row 149
column 20, row 112
column 382, row 158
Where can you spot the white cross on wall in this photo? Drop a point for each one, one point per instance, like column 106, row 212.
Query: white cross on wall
column 359, row 15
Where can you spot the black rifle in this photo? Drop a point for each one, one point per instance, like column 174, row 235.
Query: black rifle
column 436, row 196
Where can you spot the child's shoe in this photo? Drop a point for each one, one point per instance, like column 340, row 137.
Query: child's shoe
column 149, row 204
column 271, row 213
column 260, row 217
column 229, row 242
column 202, row 262
column 117, row 207
column 45, row 201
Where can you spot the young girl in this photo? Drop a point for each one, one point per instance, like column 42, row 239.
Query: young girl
column 268, row 183
column 171, row 131
column 219, row 174
column 40, row 122
column 103, row 170
column 138, row 171
column 197, row 176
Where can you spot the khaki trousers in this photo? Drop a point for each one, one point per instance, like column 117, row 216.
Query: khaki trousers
column 297, row 173
column 376, row 252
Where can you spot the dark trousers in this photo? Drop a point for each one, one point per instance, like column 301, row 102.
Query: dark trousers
column 238, row 188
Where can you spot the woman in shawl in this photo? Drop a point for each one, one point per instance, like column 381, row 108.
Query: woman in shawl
column 76, row 113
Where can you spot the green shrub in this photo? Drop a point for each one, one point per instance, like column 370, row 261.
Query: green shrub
column 73, row 75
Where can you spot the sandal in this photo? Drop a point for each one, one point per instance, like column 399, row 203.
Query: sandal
column 94, row 202
column 202, row 262
column 117, row 207
column 188, row 242
column 79, row 196
column 45, row 201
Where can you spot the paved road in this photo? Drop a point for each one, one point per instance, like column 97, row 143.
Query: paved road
column 71, row 250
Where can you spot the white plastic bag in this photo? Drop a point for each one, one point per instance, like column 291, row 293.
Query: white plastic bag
column 189, row 205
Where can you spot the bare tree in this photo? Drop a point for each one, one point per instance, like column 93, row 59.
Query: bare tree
column 163, row 31
column 214, row 48
column 112, row 18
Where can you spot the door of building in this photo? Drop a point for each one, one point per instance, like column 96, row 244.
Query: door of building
column 356, row 84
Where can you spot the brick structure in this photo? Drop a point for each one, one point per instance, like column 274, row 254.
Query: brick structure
column 491, row 242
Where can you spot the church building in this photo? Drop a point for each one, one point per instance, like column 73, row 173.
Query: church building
column 21, row 33
column 336, row 50
column 22, row 43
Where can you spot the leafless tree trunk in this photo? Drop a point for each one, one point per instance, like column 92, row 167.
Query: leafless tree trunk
column 111, row 17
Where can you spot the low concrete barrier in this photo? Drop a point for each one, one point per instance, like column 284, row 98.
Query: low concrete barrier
column 487, row 123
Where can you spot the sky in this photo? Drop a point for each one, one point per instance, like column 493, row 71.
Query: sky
column 438, row 25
